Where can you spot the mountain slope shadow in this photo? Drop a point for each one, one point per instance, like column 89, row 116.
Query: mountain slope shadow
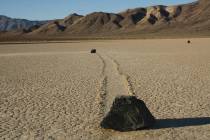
column 182, row 122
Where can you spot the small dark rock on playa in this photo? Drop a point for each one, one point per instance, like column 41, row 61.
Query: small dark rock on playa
column 188, row 41
column 128, row 114
column 93, row 51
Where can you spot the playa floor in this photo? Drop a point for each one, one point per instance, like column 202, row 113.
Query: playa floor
column 60, row 91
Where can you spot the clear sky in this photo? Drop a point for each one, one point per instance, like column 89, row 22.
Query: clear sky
column 52, row 9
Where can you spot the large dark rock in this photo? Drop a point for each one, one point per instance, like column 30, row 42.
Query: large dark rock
column 128, row 114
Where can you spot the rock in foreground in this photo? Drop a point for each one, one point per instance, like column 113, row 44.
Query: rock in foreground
column 128, row 114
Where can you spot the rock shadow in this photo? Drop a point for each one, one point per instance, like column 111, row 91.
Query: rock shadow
column 182, row 122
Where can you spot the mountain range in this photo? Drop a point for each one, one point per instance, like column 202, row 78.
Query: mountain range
column 186, row 19
column 11, row 24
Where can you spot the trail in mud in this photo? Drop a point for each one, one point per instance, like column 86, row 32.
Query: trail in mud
column 114, row 82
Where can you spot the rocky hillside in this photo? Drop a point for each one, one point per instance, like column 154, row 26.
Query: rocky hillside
column 192, row 18
column 10, row 24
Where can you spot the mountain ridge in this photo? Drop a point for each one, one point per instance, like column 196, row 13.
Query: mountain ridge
column 11, row 24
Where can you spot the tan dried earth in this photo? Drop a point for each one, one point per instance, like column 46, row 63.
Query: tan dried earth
column 59, row 91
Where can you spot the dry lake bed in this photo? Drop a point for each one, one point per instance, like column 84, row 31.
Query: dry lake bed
column 58, row 91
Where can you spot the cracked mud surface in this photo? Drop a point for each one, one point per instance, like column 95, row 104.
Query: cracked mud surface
column 61, row 91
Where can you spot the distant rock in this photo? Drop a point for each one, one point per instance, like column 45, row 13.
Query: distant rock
column 93, row 51
column 128, row 114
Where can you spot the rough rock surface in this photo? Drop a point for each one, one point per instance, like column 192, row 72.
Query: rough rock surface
column 128, row 114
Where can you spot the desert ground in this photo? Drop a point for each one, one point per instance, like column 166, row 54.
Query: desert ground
column 59, row 91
